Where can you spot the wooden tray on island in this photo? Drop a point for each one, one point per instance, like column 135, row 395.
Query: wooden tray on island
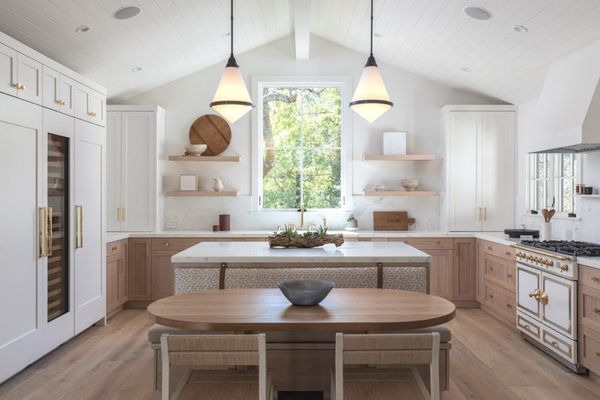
column 301, row 242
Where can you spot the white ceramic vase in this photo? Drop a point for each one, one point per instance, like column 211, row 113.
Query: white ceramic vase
column 218, row 185
column 546, row 232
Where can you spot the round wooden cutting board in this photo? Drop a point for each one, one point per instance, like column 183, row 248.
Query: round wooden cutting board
column 213, row 131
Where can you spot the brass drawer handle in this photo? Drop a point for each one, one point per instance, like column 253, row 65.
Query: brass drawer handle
column 555, row 343
column 596, row 310
column 491, row 296
column 491, row 269
column 597, row 354
column 595, row 279
column 508, row 306
column 114, row 248
column 508, row 275
column 490, row 248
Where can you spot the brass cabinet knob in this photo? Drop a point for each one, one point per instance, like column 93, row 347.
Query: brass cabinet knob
column 166, row 244
column 19, row 86
column 555, row 343
column 543, row 298
column 509, row 275
column 564, row 268
column 509, row 306
column 597, row 354
column 535, row 294
column 92, row 114
column 595, row 279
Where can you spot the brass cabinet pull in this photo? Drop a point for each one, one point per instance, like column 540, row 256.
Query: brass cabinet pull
column 19, row 86
column 535, row 294
column 484, row 213
column 42, row 232
column 79, row 227
column 543, row 298
column 509, row 306
column 508, row 275
column 60, row 102
column 118, row 213
column 597, row 354
column 595, row 279
column 596, row 310
column 92, row 114
column 122, row 213
column 49, row 214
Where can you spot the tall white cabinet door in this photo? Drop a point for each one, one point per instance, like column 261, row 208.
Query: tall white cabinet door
column 8, row 70
column 559, row 310
column 89, row 266
column 81, row 98
column 463, row 178
column 67, row 94
column 29, row 73
column 51, row 92
column 21, row 174
column 114, row 167
column 138, row 170
column 498, row 170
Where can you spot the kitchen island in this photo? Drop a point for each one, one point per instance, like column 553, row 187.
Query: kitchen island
column 227, row 265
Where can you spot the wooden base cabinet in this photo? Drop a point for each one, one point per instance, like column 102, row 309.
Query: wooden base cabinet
column 116, row 276
column 589, row 318
column 496, row 280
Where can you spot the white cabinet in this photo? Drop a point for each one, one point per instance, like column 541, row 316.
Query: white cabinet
column 89, row 105
column 480, row 171
column 90, row 273
column 29, row 79
column 8, row 70
column 58, row 91
column 134, row 135
column 21, row 272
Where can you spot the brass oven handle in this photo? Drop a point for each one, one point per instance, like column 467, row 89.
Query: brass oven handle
column 543, row 253
column 535, row 294
column 49, row 214
column 42, row 232
column 79, row 227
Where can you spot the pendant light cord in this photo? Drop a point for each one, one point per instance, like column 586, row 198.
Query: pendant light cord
column 371, row 52
column 231, row 62
column 231, row 54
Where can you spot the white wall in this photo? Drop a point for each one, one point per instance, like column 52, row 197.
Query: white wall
column 417, row 103
column 587, row 224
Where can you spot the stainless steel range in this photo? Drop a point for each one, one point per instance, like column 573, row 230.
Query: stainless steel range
column 547, row 276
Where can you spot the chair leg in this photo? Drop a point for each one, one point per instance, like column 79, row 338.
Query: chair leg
column 184, row 380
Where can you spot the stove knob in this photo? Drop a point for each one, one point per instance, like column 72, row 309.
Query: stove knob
column 564, row 268
column 550, row 263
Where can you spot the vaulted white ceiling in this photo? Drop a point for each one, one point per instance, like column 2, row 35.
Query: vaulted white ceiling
column 433, row 38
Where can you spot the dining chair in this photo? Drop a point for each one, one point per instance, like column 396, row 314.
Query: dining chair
column 226, row 356
column 382, row 366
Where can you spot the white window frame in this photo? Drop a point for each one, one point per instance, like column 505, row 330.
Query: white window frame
column 554, row 180
column 345, row 84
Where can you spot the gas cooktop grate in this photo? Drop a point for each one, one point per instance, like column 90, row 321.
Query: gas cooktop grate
column 568, row 247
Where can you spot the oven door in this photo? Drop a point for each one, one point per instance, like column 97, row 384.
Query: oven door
column 559, row 304
column 528, row 284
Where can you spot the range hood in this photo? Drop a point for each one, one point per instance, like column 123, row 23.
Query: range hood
column 568, row 110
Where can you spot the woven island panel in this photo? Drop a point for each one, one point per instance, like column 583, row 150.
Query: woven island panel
column 189, row 280
column 410, row 278
column 354, row 277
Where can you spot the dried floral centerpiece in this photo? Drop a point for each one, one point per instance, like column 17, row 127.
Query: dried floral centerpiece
column 289, row 237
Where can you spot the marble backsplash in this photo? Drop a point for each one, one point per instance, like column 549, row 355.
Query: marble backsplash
column 183, row 213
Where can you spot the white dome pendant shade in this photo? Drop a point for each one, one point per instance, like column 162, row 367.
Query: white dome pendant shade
column 371, row 98
column 232, row 100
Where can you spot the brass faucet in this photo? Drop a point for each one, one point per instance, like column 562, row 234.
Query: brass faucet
column 301, row 210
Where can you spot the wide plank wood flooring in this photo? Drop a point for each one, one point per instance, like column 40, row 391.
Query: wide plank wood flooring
column 489, row 360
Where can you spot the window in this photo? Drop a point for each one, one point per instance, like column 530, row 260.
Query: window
column 301, row 145
column 552, row 179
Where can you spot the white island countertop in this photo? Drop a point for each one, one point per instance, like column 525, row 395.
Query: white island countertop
column 259, row 252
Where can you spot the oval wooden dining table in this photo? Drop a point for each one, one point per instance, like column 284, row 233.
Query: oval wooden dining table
column 262, row 310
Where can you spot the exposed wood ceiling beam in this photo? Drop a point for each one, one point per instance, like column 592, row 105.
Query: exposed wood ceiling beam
column 302, row 28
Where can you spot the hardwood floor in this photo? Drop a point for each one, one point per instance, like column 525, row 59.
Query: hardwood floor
column 488, row 361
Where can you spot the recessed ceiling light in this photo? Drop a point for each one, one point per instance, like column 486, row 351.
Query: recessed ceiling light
column 82, row 29
column 127, row 12
column 466, row 70
column 378, row 35
column 478, row 13
column 136, row 69
column 521, row 29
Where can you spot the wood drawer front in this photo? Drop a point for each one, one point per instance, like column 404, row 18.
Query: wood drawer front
column 589, row 349
column 500, row 271
column 559, row 344
column 528, row 326
column 501, row 300
column 430, row 244
column 175, row 245
column 589, row 277
column 499, row 250
column 589, row 307
column 114, row 248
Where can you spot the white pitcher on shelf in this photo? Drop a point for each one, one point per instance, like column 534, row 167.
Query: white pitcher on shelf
column 218, row 185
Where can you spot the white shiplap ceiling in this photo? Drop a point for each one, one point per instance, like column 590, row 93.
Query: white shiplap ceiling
column 433, row 38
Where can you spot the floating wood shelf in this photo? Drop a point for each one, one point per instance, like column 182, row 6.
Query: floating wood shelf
column 399, row 157
column 204, row 193
column 398, row 193
column 205, row 158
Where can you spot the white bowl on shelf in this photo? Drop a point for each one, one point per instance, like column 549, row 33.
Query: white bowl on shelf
column 409, row 184
column 196, row 149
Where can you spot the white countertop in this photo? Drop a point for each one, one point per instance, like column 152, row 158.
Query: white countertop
column 247, row 252
column 593, row 262
column 497, row 237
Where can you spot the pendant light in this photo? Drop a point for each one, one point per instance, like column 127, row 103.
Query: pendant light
column 232, row 99
column 371, row 98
